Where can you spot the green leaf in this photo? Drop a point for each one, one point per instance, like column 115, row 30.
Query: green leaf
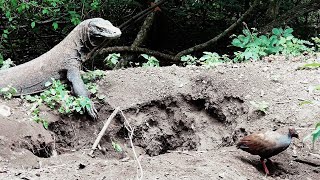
column 288, row 31
column 45, row 124
column 45, row 11
column 33, row 24
column 237, row 43
column 116, row 147
column 55, row 25
column 305, row 102
column 47, row 84
column 276, row 31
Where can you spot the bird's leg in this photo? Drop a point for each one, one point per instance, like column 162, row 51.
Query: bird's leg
column 264, row 166
column 270, row 162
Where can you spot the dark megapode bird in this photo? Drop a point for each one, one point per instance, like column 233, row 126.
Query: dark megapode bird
column 267, row 144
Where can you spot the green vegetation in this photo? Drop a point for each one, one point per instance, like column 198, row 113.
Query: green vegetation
column 189, row 60
column 255, row 46
column 116, row 147
column 8, row 92
column 152, row 61
column 313, row 65
column 315, row 135
column 209, row 59
column 317, row 43
column 58, row 97
column 112, row 59
column 305, row 102
column 5, row 64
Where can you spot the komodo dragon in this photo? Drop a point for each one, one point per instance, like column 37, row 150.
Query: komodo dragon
column 62, row 62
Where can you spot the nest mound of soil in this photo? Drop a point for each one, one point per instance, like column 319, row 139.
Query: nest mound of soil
column 186, row 122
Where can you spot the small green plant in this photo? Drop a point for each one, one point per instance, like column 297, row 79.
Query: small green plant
column 305, row 102
column 313, row 65
column 212, row 59
column 189, row 60
column 6, row 64
column 152, row 61
column 316, row 41
column 37, row 118
column 116, row 146
column 91, row 76
column 8, row 92
column 260, row 106
column 281, row 41
column 112, row 59
column 58, row 97
column 315, row 135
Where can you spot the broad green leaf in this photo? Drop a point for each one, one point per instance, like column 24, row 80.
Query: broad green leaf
column 276, row 31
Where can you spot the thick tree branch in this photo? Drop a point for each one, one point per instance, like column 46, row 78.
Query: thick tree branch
column 297, row 11
column 145, row 28
column 218, row 37
column 123, row 26
column 168, row 57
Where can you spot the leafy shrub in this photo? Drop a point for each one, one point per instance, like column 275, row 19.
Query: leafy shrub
column 112, row 59
column 279, row 42
column 209, row 59
column 316, row 42
column 189, row 60
column 58, row 97
column 152, row 61
column 8, row 92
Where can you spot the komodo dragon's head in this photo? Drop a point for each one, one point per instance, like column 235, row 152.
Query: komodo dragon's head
column 98, row 29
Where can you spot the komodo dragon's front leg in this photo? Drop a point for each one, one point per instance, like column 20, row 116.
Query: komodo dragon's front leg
column 73, row 75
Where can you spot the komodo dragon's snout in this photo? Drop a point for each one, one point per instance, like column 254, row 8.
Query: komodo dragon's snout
column 62, row 61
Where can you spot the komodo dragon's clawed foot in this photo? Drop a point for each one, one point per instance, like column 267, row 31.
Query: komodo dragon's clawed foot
column 92, row 111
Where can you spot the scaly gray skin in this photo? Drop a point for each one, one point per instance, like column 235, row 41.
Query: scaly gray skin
column 62, row 62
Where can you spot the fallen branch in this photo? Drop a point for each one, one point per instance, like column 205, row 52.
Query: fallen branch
column 308, row 162
column 168, row 57
column 131, row 131
column 103, row 130
column 123, row 26
column 221, row 35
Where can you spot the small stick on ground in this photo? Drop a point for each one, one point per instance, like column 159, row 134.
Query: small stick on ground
column 308, row 162
column 131, row 131
column 103, row 130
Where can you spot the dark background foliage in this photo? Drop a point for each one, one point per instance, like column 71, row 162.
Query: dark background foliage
column 30, row 28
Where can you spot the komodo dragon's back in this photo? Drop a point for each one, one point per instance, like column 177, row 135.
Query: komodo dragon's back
column 63, row 61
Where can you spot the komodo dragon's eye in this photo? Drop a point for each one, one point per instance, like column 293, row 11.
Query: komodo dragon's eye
column 99, row 29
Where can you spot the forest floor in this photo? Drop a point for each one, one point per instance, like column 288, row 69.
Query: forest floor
column 186, row 122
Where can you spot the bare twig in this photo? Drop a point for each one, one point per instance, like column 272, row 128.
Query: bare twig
column 308, row 162
column 221, row 35
column 131, row 131
column 103, row 130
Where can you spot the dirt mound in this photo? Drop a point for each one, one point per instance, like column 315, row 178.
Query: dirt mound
column 186, row 122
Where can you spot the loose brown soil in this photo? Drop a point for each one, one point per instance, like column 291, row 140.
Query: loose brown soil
column 186, row 122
